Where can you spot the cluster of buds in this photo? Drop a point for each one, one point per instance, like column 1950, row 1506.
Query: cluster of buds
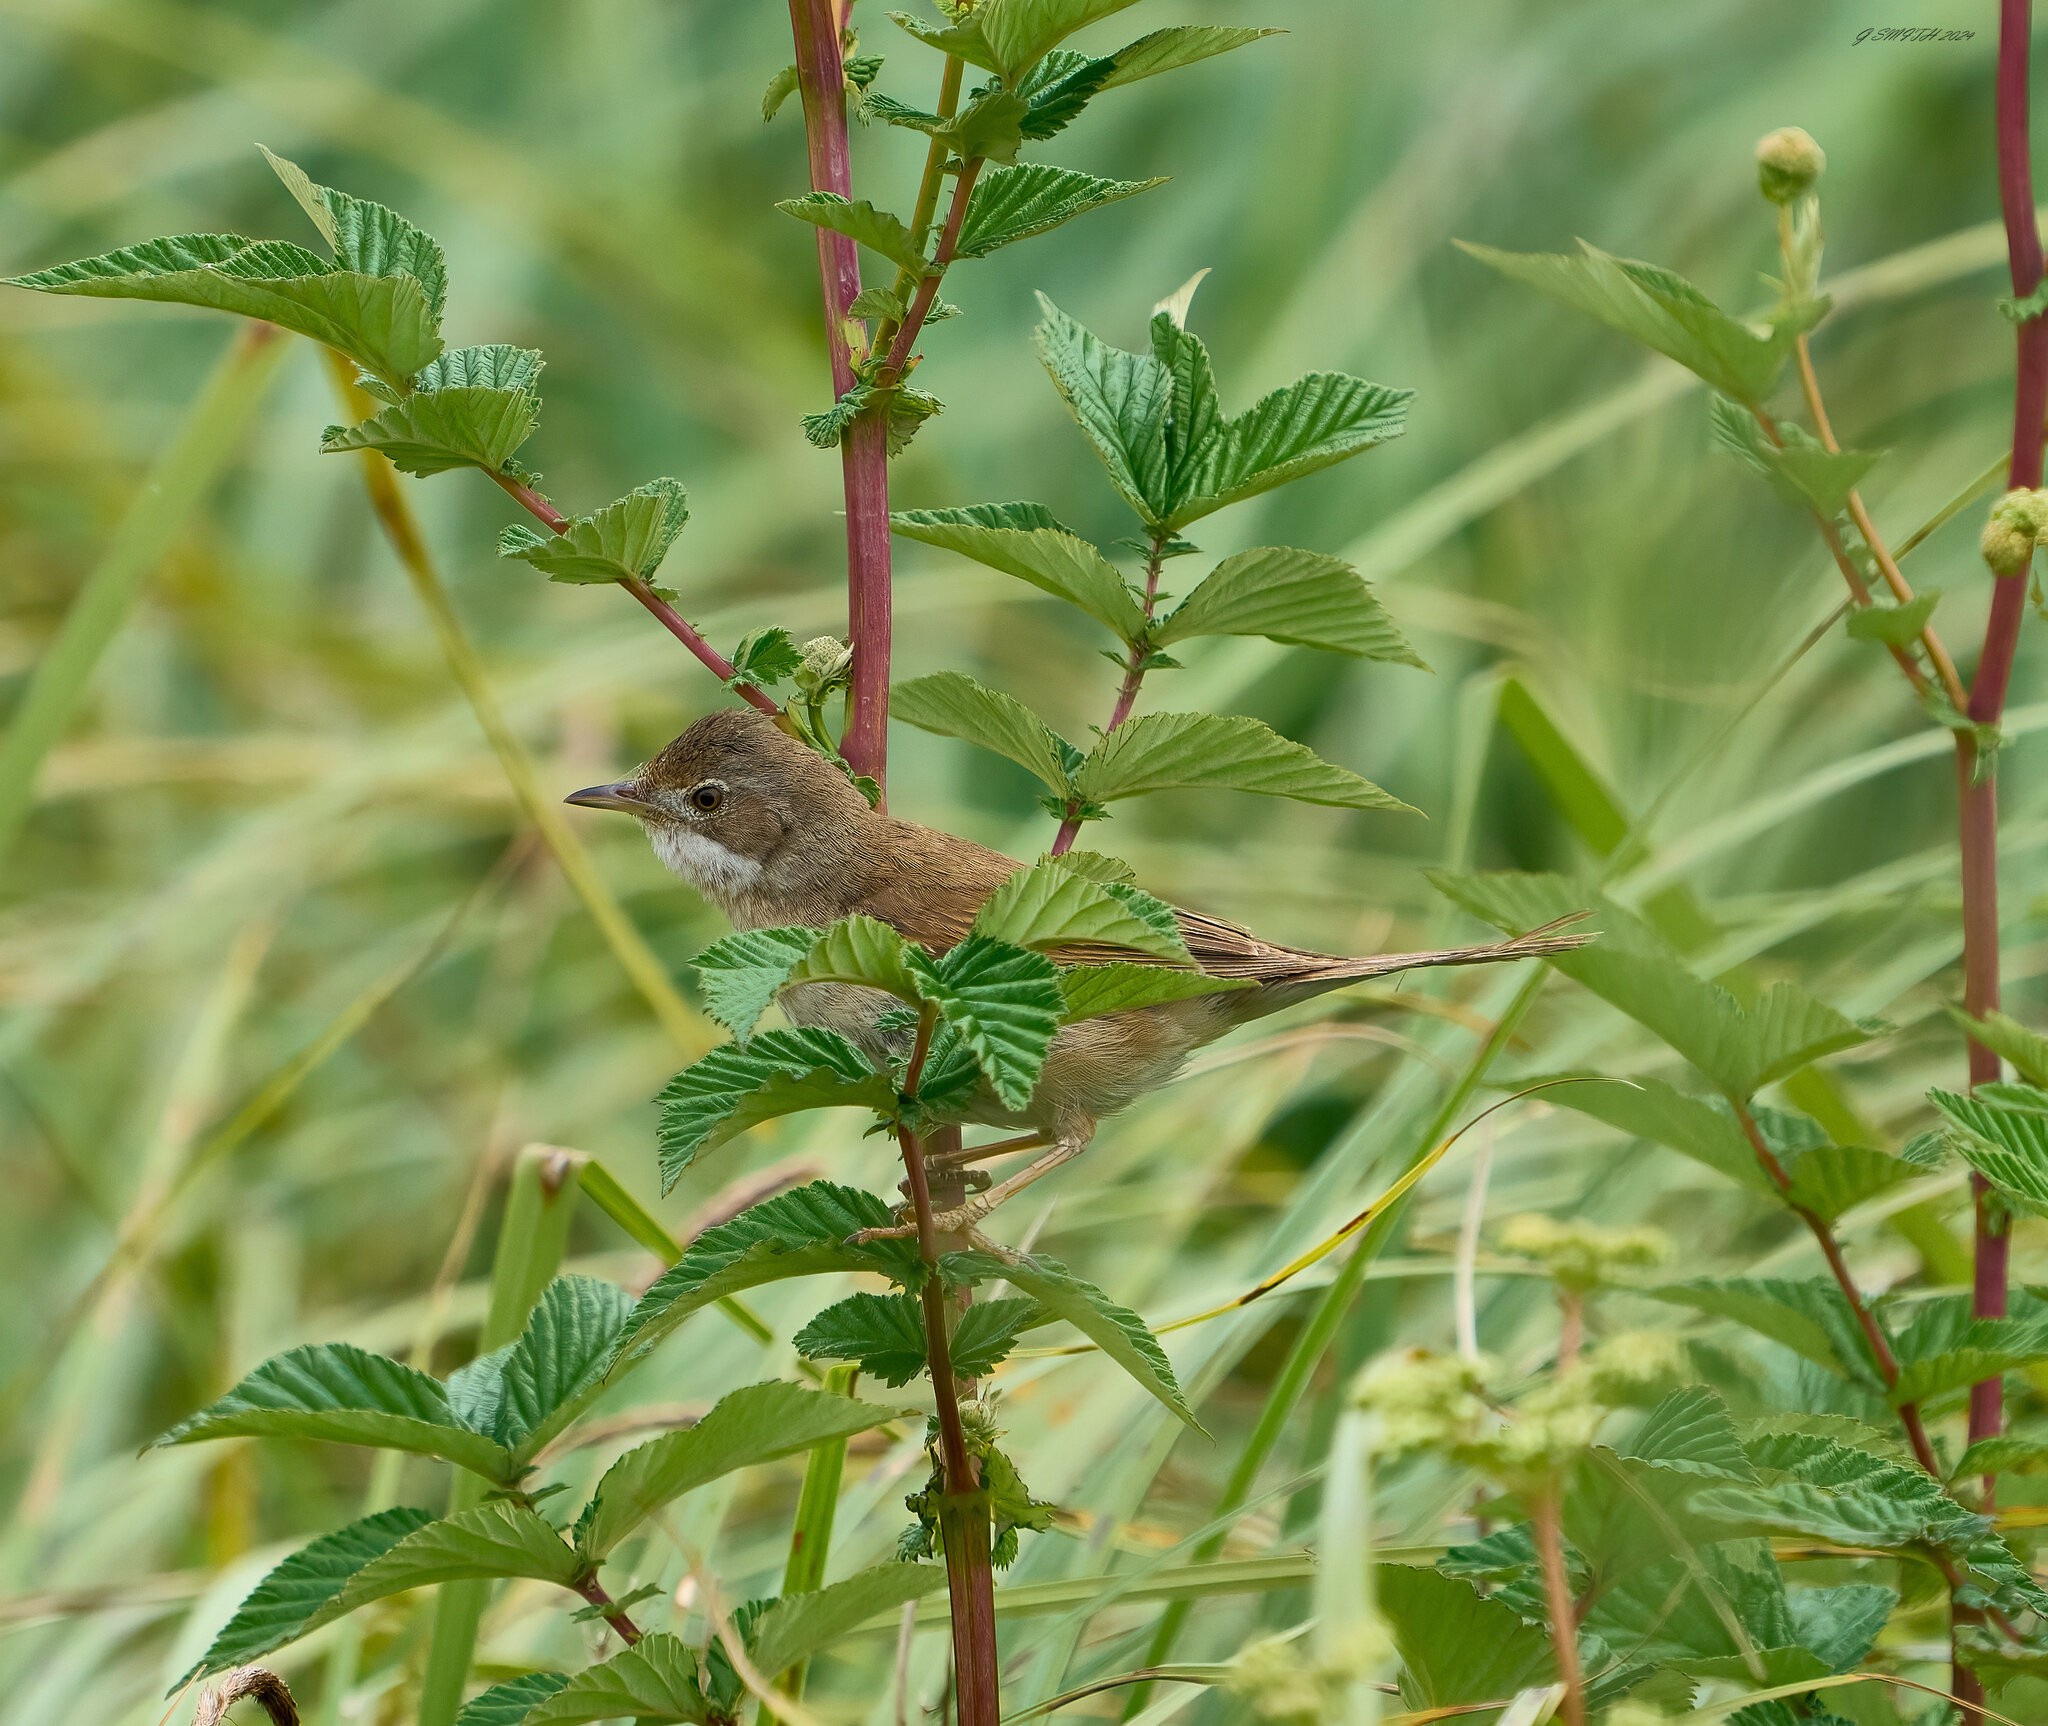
column 1580, row 1256
column 2019, row 522
column 1285, row 1682
column 1788, row 162
column 825, row 664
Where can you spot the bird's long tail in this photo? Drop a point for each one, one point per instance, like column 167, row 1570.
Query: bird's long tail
column 1541, row 943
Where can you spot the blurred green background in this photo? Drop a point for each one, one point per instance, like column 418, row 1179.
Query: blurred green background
column 277, row 802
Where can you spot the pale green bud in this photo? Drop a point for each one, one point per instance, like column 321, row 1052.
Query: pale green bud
column 2018, row 522
column 1581, row 1256
column 1630, row 1712
column 1276, row 1677
column 1423, row 1401
column 1788, row 162
column 1631, row 1365
column 827, row 662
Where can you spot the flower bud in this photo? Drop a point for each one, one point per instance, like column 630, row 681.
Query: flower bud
column 1632, row 1365
column 2018, row 521
column 1788, row 162
column 826, row 663
column 1581, row 1256
column 1424, row 1401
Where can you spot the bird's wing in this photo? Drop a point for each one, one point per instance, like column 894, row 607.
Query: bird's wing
column 933, row 884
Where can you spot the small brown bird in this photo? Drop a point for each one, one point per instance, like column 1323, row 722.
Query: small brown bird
column 773, row 834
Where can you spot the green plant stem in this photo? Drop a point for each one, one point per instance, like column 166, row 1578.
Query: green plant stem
column 1127, row 692
column 810, row 1536
column 685, row 1027
column 176, row 484
column 1321, row 1328
column 927, row 192
column 532, row 1239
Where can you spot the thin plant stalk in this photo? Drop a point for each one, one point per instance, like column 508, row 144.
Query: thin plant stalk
column 176, row 484
column 532, row 1239
column 810, row 1537
column 685, row 1026
column 1547, row 1524
column 1127, row 691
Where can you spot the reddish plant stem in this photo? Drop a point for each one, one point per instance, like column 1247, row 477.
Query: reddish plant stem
column 1546, row 1523
column 863, row 450
column 935, row 272
column 609, row 1610
column 670, row 619
column 1127, row 692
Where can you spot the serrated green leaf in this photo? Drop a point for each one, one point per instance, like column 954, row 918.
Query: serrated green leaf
column 1094, row 866
column 777, row 1073
column 366, row 237
column 1832, row 1179
column 1299, row 597
column 624, row 541
column 866, row 951
column 657, row 1679
column 884, row 1333
column 877, row 303
column 757, row 1423
column 1691, row 1431
column 1004, row 1002
column 1011, row 204
column 1058, row 88
column 278, row 1609
column 1840, row 1624
column 1179, row 45
column 1455, row 1646
column 1114, row 1329
column 765, row 657
column 1208, row 751
column 963, row 39
column 1310, row 424
column 1658, row 309
column 1090, row 991
column 1809, row 1317
column 1046, row 907
column 1120, row 401
column 2011, row 1041
column 476, row 411
column 509, row 1704
column 1802, row 470
column 1020, row 33
column 954, row 705
column 1943, row 1346
column 386, row 324
column 345, row 1395
column 803, row 1232
column 990, row 125
column 491, row 1541
column 739, row 974
column 1651, row 1109
column 860, row 221
column 1894, row 625
column 2007, row 1146
column 1025, row 541
column 549, row 1375
column 781, row 87
column 800, row 1626
column 2004, row 1455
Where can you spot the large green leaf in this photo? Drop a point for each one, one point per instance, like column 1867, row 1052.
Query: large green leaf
column 508, row 1704
column 1004, row 1002
column 1455, row 1646
column 1114, row 1329
column 1809, row 1317
column 1120, row 401
column 344, row 1394
column 954, row 705
column 367, row 237
column 867, row 951
column 1019, row 33
column 624, row 541
column 739, row 974
column 1802, row 470
column 1090, row 991
column 2008, row 1146
column 491, row 1541
column 1691, row 1431
column 1011, row 204
column 658, row 1679
column 885, row 1335
column 1047, row 906
column 386, row 324
column 1651, row 1109
column 278, row 1609
column 472, row 407
column 1209, row 751
column 758, row 1423
column 1658, row 309
column 549, row 1375
column 1306, row 426
column 777, row 1073
column 1023, row 540
column 1943, row 1346
column 799, row 1626
column 1176, row 46
column 803, row 1232
column 858, row 220
column 1288, row 595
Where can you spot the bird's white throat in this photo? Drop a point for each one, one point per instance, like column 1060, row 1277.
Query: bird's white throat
column 702, row 861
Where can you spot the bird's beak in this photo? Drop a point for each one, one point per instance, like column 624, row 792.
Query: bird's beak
column 621, row 794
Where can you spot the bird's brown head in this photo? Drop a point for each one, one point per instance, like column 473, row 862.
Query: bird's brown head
column 739, row 808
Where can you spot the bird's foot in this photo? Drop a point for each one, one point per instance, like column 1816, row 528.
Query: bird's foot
column 975, row 1180
column 957, row 1223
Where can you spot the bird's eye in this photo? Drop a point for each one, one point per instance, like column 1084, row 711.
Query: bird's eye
column 707, row 797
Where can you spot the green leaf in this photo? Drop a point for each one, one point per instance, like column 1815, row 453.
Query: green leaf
column 1011, row 204
column 1023, row 539
column 885, row 1334
column 1455, row 1646
column 509, row 1704
column 803, row 1232
column 2011, row 1041
column 739, row 974
column 963, row 39
column 800, row 1626
column 624, row 541
column 1090, row 991
column 1802, row 470
column 1832, row 1179
column 1944, row 1347
column 990, row 125
column 1114, row 1329
column 1895, row 625
column 758, row 1423
column 1692, row 1432
column 877, row 303
column 858, row 220
column 904, row 410
column 1057, row 89
column 1046, row 907
column 1207, row 751
column 781, row 87
column 386, row 324
column 866, row 951
column 1179, row 45
column 367, row 237
column 1288, row 595
column 346, row 1395
column 491, row 1541
column 1316, row 421
column 1809, row 1317
column 278, row 1609
column 1004, row 1002
column 2006, row 1455
column 778, row 1073
column 765, row 657
column 473, row 407
column 1121, row 403
column 1020, row 33
column 2007, row 1146
column 658, row 1679
column 1841, row 1624
column 1651, row 1109
column 549, row 1375
column 1658, row 309
column 954, row 705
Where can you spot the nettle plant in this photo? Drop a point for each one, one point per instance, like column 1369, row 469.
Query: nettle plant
column 978, row 1016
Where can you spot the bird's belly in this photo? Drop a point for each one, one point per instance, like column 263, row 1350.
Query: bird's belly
column 850, row 1010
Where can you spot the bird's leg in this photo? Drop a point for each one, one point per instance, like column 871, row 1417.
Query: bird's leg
column 962, row 1220
column 982, row 1153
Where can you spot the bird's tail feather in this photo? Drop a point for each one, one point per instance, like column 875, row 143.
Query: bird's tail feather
column 1544, row 942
